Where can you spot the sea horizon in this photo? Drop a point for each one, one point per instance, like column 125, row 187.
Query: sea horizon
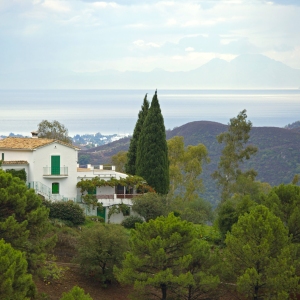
column 115, row 111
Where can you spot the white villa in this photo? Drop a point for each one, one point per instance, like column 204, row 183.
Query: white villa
column 52, row 171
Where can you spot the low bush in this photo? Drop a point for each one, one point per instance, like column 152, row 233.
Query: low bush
column 95, row 219
column 130, row 222
column 66, row 211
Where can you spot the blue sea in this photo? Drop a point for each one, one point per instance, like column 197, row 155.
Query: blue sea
column 116, row 111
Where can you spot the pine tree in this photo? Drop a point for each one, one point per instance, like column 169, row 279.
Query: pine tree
column 24, row 220
column 260, row 256
column 167, row 257
column 15, row 282
column 130, row 166
column 152, row 154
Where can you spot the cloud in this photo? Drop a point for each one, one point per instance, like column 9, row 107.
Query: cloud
column 142, row 43
column 144, row 34
column 103, row 4
column 59, row 6
column 189, row 49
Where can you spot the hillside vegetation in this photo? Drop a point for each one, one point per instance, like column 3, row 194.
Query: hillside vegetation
column 277, row 159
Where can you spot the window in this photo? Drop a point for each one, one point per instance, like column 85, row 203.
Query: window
column 2, row 156
column 120, row 189
column 55, row 188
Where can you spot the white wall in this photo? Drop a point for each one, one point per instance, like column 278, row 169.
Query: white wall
column 68, row 158
column 15, row 155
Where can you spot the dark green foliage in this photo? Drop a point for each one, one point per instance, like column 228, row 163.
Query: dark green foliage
column 227, row 216
column 284, row 202
column 54, row 130
column 152, row 153
column 130, row 166
column 260, row 256
column 76, row 293
column 100, row 248
column 130, row 222
column 229, row 212
column 15, row 283
column 18, row 173
column 150, row 206
column 234, row 153
column 67, row 211
column 24, row 220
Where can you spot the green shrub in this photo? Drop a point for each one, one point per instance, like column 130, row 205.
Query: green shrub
column 66, row 211
column 99, row 249
column 76, row 293
column 130, row 221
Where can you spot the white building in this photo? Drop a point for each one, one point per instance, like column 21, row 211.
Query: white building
column 108, row 196
column 52, row 171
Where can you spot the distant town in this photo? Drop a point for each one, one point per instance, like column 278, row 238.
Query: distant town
column 85, row 141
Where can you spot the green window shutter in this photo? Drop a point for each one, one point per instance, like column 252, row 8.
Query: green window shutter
column 55, row 188
column 55, row 165
column 101, row 213
column 2, row 156
column 92, row 191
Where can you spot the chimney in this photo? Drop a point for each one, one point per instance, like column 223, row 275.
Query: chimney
column 34, row 134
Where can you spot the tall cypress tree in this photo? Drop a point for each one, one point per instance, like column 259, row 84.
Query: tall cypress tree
column 152, row 155
column 132, row 152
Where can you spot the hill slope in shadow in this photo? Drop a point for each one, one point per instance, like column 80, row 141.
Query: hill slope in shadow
column 277, row 159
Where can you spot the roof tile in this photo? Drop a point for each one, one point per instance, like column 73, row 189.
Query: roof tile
column 28, row 143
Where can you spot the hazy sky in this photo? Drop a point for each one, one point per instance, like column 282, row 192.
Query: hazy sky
column 178, row 35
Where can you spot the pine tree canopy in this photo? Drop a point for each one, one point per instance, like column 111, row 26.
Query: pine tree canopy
column 152, row 154
column 24, row 220
column 130, row 166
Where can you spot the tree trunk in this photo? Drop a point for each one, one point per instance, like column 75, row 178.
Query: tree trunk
column 163, row 291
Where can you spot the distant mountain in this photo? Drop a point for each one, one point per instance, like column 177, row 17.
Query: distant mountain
column 277, row 160
column 245, row 71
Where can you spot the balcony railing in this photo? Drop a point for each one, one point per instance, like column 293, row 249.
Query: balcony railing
column 126, row 196
column 45, row 191
column 62, row 171
column 110, row 196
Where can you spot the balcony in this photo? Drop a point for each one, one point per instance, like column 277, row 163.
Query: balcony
column 55, row 172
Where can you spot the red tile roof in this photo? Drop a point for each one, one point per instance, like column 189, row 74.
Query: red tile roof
column 28, row 143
